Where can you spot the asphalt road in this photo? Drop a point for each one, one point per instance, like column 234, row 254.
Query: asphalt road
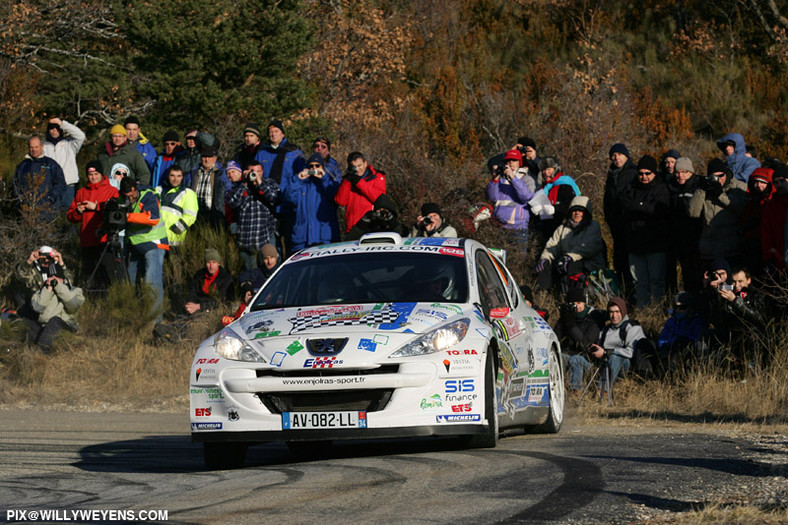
column 586, row 474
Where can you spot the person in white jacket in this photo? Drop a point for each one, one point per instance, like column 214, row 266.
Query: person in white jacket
column 63, row 142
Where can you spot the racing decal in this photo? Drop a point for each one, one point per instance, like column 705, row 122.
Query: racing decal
column 465, row 407
column 450, row 307
column 460, row 365
column 278, row 358
column 207, row 426
column 458, row 417
column 232, row 414
column 460, row 398
column 207, row 361
column 345, row 317
column 403, row 310
column 434, row 401
column 446, row 364
column 456, row 252
column 322, row 362
column 508, row 326
column 206, row 373
column 432, row 314
column 328, row 310
column 462, row 352
column 484, row 331
column 517, row 387
column 210, row 395
column 202, row 412
column 294, row 347
column 339, row 250
column 539, row 323
column 260, row 335
column 459, row 385
column 380, row 339
column 479, row 315
column 367, row 344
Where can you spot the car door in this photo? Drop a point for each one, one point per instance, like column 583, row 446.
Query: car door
column 501, row 311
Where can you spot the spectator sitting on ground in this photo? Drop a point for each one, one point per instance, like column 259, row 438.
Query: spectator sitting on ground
column 210, row 285
column 578, row 328
column 683, row 333
column 575, row 247
column 261, row 273
column 382, row 218
column 430, row 223
column 54, row 301
column 617, row 343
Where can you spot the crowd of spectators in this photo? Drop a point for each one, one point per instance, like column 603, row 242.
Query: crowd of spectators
column 712, row 237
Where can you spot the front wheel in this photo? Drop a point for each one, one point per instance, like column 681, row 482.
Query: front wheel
column 556, row 396
column 489, row 439
column 223, row 456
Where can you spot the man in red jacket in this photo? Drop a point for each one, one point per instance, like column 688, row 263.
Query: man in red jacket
column 360, row 189
column 87, row 208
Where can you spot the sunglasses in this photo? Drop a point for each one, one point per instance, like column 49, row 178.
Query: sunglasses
column 313, row 166
column 645, row 173
column 170, row 143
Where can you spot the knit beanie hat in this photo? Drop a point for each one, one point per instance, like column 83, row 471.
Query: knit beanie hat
column 171, row 136
column 316, row 158
column 576, row 295
column 118, row 129
column 673, row 154
column 618, row 301
column 716, row 166
column 526, row 142
column 684, row 164
column 276, row 124
column 430, row 207
column 268, row 250
column 212, row 254
column 233, row 165
column 93, row 166
column 252, row 128
column 719, row 263
column 647, row 162
column 618, row 148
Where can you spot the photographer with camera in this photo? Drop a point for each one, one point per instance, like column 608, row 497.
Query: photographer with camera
column 382, row 218
column 146, row 237
column 253, row 200
column 311, row 194
column 54, row 301
column 510, row 189
column 577, row 329
column 431, row 223
column 87, row 208
column 615, row 347
column 719, row 202
column 360, row 188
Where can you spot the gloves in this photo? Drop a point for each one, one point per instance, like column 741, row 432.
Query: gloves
column 353, row 177
column 549, row 209
column 541, row 265
column 536, row 209
column 713, row 190
column 563, row 264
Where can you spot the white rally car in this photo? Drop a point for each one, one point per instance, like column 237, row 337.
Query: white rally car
column 379, row 338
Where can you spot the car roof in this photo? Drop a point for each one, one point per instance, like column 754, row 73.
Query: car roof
column 390, row 242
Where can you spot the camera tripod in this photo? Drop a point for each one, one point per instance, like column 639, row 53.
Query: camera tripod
column 603, row 363
column 112, row 262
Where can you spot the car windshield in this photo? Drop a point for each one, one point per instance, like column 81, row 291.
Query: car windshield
column 366, row 278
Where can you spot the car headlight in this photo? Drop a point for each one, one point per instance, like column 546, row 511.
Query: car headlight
column 228, row 345
column 439, row 339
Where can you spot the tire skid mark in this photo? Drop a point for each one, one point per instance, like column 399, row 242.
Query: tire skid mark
column 583, row 482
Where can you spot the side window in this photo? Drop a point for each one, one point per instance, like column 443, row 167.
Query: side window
column 511, row 286
column 491, row 289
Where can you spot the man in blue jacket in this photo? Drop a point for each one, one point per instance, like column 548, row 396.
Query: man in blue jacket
column 142, row 144
column 39, row 181
column 311, row 193
column 281, row 161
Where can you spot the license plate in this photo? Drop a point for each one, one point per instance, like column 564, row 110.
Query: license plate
column 309, row 420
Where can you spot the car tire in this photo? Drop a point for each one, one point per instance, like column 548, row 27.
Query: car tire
column 224, row 456
column 556, row 396
column 489, row 439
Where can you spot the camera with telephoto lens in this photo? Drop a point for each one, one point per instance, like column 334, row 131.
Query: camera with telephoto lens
column 712, row 179
column 250, row 176
column 426, row 221
column 115, row 211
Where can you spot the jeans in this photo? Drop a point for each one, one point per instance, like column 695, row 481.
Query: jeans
column 579, row 365
column 648, row 273
column 153, row 264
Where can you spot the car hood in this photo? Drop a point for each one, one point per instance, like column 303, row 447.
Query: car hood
column 407, row 318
